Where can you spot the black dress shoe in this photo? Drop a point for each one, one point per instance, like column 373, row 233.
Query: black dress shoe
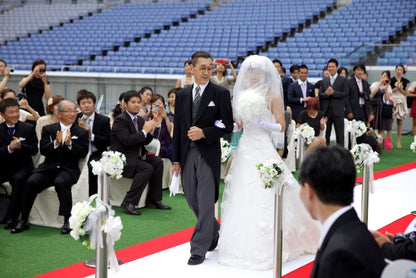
column 130, row 209
column 195, row 260
column 66, row 229
column 214, row 243
column 159, row 205
column 20, row 227
column 9, row 224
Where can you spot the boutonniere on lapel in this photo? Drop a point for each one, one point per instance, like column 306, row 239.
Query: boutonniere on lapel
column 21, row 139
column 74, row 137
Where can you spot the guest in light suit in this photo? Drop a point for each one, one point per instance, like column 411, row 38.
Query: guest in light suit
column 196, row 150
column 18, row 142
column 299, row 92
column 98, row 127
column 334, row 89
column 346, row 247
column 63, row 144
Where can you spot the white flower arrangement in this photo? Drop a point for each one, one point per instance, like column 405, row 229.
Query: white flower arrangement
column 307, row 133
column 79, row 215
column 360, row 128
column 269, row 172
column 251, row 104
column 225, row 150
column 364, row 155
column 413, row 145
column 112, row 163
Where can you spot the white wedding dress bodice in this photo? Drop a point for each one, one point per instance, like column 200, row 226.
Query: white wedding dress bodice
column 247, row 209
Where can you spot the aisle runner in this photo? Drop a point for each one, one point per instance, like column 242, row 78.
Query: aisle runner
column 167, row 255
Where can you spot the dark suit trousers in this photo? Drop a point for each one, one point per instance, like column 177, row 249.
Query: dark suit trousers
column 148, row 170
column 39, row 181
column 17, row 180
column 338, row 122
column 199, row 187
column 92, row 179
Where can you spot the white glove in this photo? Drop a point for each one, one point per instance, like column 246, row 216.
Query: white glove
column 269, row 125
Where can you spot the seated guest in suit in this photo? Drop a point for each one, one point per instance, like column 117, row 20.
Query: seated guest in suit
column 346, row 248
column 63, row 144
column 399, row 246
column 129, row 135
column 164, row 125
column 299, row 92
column 98, row 127
column 358, row 106
column 315, row 119
column 18, row 143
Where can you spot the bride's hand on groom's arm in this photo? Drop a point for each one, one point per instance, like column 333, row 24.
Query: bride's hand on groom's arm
column 176, row 168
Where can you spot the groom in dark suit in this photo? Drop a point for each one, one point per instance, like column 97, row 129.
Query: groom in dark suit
column 63, row 144
column 18, row 142
column 129, row 135
column 347, row 249
column 299, row 92
column 332, row 94
column 202, row 116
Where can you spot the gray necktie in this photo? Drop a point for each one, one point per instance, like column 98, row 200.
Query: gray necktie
column 197, row 95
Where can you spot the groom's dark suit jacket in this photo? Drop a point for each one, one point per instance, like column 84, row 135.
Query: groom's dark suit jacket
column 214, row 105
column 295, row 94
column 348, row 250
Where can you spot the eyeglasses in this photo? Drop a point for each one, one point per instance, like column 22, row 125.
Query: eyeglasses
column 69, row 111
column 204, row 69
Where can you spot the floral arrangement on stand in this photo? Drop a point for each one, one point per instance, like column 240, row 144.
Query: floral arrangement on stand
column 112, row 163
column 307, row 133
column 364, row 155
column 359, row 128
column 79, row 216
column 225, row 150
column 269, row 172
column 413, row 145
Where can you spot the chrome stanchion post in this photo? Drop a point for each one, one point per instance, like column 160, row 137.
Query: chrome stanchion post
column 302, row 149
column 101, row 254
column 278, row 233
column 365, row 194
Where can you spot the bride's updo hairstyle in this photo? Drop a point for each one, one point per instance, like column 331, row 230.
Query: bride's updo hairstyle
column 257, row 74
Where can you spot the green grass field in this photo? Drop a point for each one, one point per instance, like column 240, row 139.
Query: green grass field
column 43, row 249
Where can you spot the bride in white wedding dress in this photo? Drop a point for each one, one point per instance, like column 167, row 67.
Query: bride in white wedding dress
column 247, row 209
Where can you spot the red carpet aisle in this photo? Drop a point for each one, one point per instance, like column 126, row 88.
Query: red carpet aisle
column 166, row 257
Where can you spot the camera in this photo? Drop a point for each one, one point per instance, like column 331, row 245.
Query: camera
column 220, row 61
column 157, row 106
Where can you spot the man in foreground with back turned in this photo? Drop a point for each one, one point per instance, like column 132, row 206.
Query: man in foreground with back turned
column 346, row 247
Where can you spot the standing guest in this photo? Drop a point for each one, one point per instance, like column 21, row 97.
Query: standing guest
column 98, row 127
column 343, row 72
column 18, row 143
column 188, row 78
column 129, row 135
column 358, row 106
column 146, row 94
column 220, row 75
column 346, row 247
column 170, row 107
column 5, row 72
column 381, row 93
column 300, row 92
column 36, row 85
column 117, row 110
column 412, row 96
column 399, row 86
column 32, row 115
column 196, row 149
column 63, row 144
column 334, row 89
column 315, row 119
column 325, row 73
column 164, row 126
column 51, row 116
column 294, row 72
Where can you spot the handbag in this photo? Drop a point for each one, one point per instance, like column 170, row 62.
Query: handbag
column 4, row 203
column 387, row 111
column 387, row 144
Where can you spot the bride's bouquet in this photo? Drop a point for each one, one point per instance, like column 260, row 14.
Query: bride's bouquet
column 364, row 155
column 413, row 145
column 112, row 163
column 268, row 172
column 225, row 150
column 250, row 104
column 307, row 133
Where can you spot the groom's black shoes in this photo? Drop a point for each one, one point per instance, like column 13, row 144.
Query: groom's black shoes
column 214, row 243
column 195, row 260
column 20, row 227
